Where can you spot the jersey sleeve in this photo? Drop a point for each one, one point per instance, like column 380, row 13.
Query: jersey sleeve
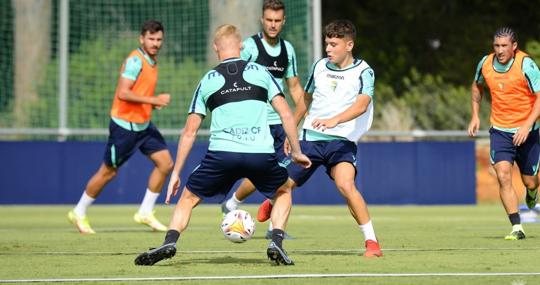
column 292, row 70
column 530, row 69
column 272, row 86
column 132, row 68
column 198, row 104
column 367, row 82
column 310, row 84
column 249, row 50
column 478, row 77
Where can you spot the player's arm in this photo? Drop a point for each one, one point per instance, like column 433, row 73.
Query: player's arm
column 186, row 141
column 295, row 88
column 125, row 93
column 358, row 108
column 477, row 92
column 282, row 108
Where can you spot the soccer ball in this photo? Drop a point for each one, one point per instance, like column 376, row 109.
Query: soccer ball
column 238, row 226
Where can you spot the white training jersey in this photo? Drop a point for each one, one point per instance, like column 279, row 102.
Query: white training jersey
column 334, row 90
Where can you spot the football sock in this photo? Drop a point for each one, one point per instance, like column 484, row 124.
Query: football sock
column 84, row 203
column 270, row 228
column 369, row 232
column 277, row 236
column 514, row 219
column 516, row 228
column 172, row 236
column 148, row 202
column 233, row 202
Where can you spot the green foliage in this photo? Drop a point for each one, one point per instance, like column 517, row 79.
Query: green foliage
column 533, row 49
column 429, row 101
column 93, row 75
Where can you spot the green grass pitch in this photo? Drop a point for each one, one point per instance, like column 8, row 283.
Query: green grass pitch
column 36, row 242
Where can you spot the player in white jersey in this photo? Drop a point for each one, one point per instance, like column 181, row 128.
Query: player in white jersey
column 339, row 95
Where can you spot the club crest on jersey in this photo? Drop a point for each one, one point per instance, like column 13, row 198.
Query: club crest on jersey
column 333, row 85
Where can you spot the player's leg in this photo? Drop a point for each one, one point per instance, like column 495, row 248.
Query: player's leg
column 179, row 222
column 279, row 218
column 528, row 158
column 344, row 174
column 95, row 185
column 272, row 181
column 502, row 154
column 120, row 146
column 531, row 190
column 154, row 147
column 509, row 199
column 245, row 189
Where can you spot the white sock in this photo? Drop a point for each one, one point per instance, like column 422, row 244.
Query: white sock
column 148, row 202
column 369, row 232
column 270, row 228
column 233, row 203
column 84, row 203
column 517, row 227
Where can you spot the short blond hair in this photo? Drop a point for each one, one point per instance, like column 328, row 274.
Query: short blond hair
column 226, row 31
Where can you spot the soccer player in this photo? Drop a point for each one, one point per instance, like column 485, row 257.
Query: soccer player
column 278, row 56
column 339, row 95
column 130, row 129
column 237, row 93
column 513, row 80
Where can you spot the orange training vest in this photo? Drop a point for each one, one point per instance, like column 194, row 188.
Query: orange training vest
column 145, row 84
column 511, row 98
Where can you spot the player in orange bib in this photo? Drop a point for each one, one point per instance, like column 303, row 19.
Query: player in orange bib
column 130, row 129
column 513, row 80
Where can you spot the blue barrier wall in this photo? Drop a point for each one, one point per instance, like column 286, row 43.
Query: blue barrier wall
column 388, row 173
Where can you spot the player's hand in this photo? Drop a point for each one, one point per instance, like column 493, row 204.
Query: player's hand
column 287, row 147
column 474, row 125
column 172, row 189
column 301, row 159
column 521, row 135
column 323, row 124
column 162, row 100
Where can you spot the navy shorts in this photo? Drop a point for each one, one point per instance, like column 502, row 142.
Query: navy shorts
column 327, row 153
column 219, row 170
column 526, row 155
column 279, row 143
column 123, row 143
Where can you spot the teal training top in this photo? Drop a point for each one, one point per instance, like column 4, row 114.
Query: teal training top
column 250, row 53
column 237, row 125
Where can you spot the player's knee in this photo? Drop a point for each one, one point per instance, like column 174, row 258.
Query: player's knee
column 169, row 166
column 531, row 183
column 347, row 188
column 165, row 167
column 108, row 173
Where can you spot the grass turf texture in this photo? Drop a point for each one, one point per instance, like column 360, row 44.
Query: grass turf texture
column 36, row 242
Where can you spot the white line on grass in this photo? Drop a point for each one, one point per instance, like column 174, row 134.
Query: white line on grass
column 263, row 251
column 280, row 276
